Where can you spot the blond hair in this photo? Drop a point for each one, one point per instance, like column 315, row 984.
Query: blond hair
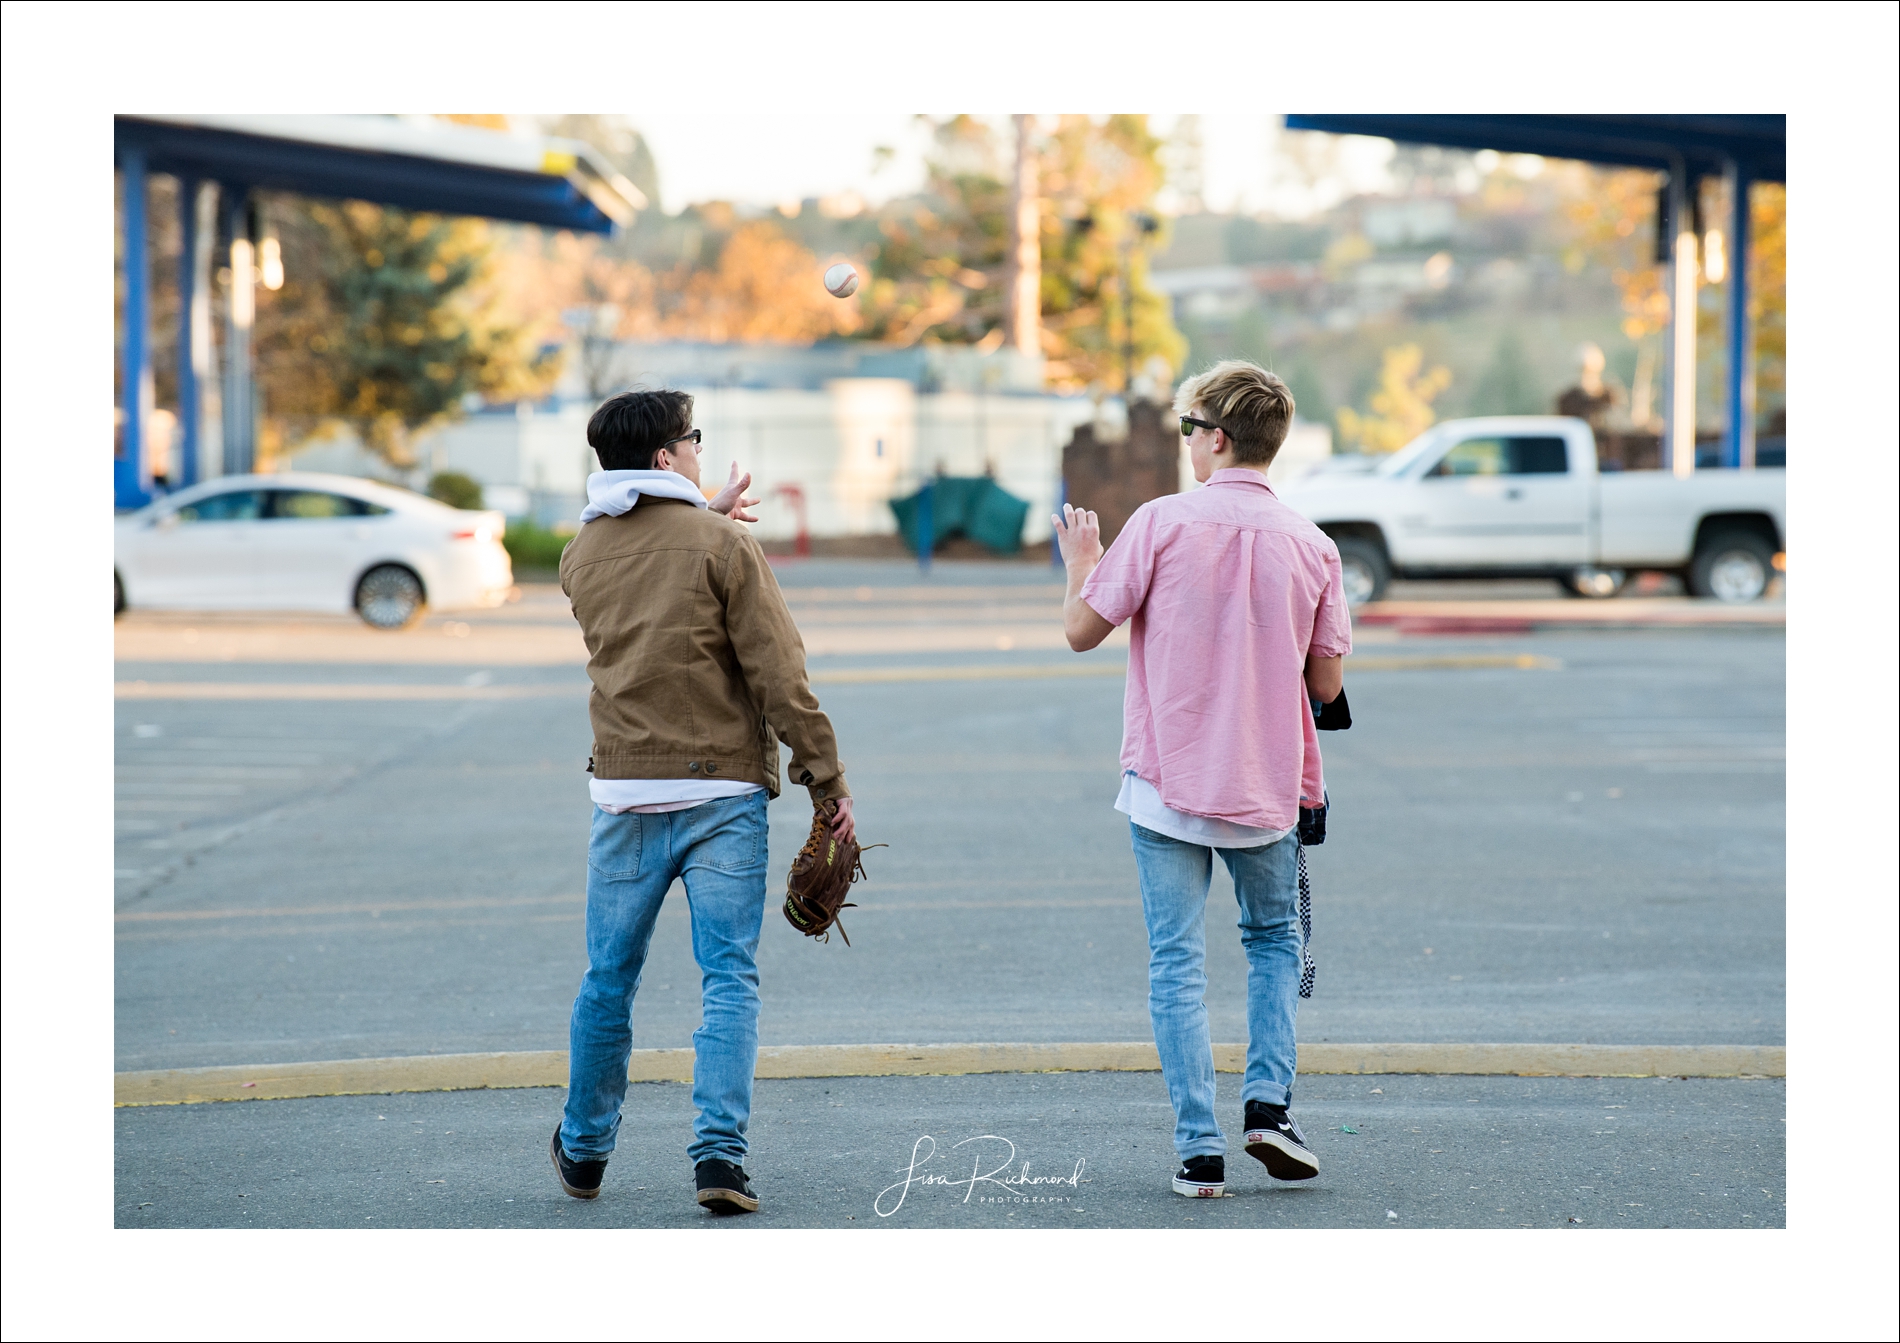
column 1251, row 404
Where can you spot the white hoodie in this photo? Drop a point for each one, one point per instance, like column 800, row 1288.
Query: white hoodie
column 611, row 493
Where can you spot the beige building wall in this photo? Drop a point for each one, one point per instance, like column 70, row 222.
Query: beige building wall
column 850, row 446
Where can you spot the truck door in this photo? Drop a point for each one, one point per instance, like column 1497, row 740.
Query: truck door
column 1501, row 501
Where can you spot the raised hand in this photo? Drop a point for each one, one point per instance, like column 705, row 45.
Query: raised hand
column 732, row 500
column 1079, row 534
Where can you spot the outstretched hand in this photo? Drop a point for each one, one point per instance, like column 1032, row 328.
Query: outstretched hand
column 732, row 500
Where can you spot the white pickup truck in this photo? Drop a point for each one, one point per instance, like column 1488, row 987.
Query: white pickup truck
column 1521, row 496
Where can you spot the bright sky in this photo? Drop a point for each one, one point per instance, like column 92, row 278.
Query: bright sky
column 760, row 160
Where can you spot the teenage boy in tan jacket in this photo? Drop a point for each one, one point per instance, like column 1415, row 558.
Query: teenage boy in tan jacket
column 698, row 674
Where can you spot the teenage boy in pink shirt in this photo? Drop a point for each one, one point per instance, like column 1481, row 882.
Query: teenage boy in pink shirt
column 1239, row 622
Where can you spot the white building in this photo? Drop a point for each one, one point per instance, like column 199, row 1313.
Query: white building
column 848, row 443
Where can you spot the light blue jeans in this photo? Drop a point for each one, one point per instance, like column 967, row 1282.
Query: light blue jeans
column 1174, row 879
column 718, row 850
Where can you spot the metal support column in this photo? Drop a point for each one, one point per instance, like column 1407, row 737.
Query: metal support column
column 131, row 479
column 1740, row 448
column 239, row 406
column 1682, row 319
column 190, row 288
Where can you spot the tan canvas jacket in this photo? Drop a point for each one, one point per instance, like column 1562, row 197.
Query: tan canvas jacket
column 698, row 669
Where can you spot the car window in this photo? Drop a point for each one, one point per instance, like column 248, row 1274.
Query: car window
column 1505, row 457
column 1539, row 456
column 1474, row 457
column 320, row 504
column 231, row 506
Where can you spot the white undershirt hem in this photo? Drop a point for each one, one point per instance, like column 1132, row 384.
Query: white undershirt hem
column 1141, row 802
column 647, row 796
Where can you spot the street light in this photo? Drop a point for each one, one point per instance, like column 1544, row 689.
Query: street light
column 1146, row 226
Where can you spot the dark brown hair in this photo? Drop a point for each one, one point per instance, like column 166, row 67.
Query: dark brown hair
column 628, row 429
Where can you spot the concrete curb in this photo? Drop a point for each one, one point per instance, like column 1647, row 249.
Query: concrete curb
column 548, row 1068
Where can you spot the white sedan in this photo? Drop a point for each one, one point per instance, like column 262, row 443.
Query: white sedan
column 305, row 542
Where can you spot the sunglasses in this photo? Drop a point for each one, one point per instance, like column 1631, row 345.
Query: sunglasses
column 1189, row 424
column 693, row 437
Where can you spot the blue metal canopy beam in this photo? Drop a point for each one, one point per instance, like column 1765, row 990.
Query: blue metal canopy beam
column 1706, row 144
column 412, row 164
column 1744, row 149
column 552, row 199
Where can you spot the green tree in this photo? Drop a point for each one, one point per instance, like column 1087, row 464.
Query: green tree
column 1507, row 386
column 456, row 489
column 386, row 325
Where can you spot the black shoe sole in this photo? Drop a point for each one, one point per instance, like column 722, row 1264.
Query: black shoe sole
column 554, row 1155
column 726, row 1202
column 1283, row 1158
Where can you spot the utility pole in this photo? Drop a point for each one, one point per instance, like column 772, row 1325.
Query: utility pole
column 1023, row 318
column 1145, row 226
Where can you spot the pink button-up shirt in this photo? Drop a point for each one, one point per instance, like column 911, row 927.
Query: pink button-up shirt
column 1229, row 591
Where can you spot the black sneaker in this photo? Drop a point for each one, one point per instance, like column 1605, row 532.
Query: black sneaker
column 723, row 1187
column 1274, row 1140
column 581, row 1179
column 1201, row 1177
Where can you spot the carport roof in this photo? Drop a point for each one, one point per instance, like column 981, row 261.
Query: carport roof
column 414, row 163
column 1707, row 144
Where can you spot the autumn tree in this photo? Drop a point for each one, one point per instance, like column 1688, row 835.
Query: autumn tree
column 1768, row 292
column 739, row 280
column 1401, row 407
column 942, row 267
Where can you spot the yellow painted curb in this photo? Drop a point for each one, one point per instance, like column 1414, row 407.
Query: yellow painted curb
column 548, row 1068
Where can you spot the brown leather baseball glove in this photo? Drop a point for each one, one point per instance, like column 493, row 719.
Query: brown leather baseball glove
column 821, row 877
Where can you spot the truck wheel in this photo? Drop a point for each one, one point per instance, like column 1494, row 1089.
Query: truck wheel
column 1596, row 584
column 118, row 593
column 1363, row 567
column 1732, row 567
column 389, row 597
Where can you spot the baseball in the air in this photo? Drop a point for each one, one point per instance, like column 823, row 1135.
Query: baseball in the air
column 842, row 280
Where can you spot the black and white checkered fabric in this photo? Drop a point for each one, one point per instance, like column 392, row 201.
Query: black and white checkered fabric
column 1307, row 969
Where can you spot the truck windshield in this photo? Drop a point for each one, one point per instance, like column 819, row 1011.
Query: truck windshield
column 1407, row 455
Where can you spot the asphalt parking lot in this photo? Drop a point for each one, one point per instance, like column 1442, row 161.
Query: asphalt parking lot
column 334, row 843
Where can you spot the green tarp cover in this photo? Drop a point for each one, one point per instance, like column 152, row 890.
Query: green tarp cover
column 972, row 506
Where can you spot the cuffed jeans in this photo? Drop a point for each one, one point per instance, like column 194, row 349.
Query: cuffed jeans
column 1174, row 879
column 718, row 850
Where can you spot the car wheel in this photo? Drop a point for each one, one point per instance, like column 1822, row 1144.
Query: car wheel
column 389, row 597
column 1596, row 584
column 1364, row 569
column 1732, row 567
column 118, row 593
